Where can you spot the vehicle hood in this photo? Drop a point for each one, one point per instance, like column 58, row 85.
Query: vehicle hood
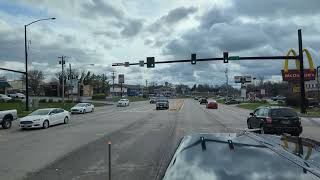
column 248, row 157
column 31, row 118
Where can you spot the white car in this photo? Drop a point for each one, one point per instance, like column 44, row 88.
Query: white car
column 17, row 96
column 4, row 98
column 82, row 108
column 43, row 118
column 123, row 102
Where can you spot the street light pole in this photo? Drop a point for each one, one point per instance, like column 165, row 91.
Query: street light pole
column 318, row 85
column 26, row 58
column 26, row 64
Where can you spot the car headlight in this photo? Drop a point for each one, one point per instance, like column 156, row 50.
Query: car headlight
column 36, row 119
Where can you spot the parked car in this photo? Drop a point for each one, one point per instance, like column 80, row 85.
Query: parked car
column 245, row 156
column 6, row 118
column 203, row 101
column 44, row 118
column 123, row 102
column 162, row 104
column 232, row 101
column 275, row 120
column 212, row 105
column 4, row 98
column 82, row 108
column 17, row 96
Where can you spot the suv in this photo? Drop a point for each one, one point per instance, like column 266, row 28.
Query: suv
column 162, row 104
column 275, row 120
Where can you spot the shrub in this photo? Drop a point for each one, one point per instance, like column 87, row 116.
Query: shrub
column 99, row 96
column 50, row 100
column 42, row 100
column 68, row 101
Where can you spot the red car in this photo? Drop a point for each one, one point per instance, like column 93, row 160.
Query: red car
column 212, row 105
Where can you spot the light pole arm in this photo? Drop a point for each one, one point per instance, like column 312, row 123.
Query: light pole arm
column 40, row 20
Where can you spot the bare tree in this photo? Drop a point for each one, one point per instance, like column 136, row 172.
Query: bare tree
column 261, row 79
column 35, row 78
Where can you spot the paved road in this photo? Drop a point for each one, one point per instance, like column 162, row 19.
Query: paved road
column 143, row 141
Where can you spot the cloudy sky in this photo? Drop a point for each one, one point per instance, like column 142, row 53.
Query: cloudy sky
column 103, row 32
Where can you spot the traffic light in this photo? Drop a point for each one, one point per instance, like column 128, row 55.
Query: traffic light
column 126, row 64
column 225, row 57
column 150, row 62
column 141, row 63
column 193, row 58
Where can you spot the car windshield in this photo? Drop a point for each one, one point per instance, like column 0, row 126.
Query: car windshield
column 137, row 76
column 284, row 112
column 40, row 112
column 81, row 105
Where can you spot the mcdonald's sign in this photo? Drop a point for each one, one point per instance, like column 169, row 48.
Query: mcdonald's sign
column 294, row 74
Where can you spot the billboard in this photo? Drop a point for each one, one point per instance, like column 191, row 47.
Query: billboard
column 242, row 79
column 237, row 79
column 293, row 75
column 121, row 78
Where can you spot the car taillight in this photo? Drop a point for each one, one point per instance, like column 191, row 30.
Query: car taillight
column 269, row 120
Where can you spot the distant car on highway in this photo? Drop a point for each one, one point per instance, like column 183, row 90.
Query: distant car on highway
column 276, row 98
column 212, row 104
column 4, row 98
column 162, row 104
column 153, row 100
column 123, row 102
column 82, row 108
column 275, row 120
column 17, row 96
column 6, row 118
column 232, row 101
column 203, row 101
column 44, row 118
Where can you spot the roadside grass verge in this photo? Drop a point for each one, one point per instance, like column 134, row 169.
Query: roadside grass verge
column 252, row 106
column 221, row 101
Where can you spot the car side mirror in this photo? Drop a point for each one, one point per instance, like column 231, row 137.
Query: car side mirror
column 251, row 114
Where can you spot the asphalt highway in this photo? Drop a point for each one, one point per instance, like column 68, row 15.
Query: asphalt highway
column 143, row 141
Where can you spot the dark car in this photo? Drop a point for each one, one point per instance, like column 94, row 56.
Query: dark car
column 162, row 104
column 232, row 101
column 203, row 101
column 276, row 120
column 246, row 156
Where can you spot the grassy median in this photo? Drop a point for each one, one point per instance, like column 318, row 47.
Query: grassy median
column 20, row 107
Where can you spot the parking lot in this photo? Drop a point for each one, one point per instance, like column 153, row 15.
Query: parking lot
column 78, row 150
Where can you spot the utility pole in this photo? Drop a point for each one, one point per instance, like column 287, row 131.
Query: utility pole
column 318, row 85
column 227, row 82
column 147, row 87
column 70, row 83
column 62, row 62
column 302, row 89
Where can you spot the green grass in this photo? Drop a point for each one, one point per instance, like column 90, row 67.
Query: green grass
column 252, row 106
column 221, row 101
column 21, row 106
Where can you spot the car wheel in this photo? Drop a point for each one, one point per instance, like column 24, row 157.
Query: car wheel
column 45, row 124
column 262, row 131
column 7, row 123
column 66, row 120
column 249, row 125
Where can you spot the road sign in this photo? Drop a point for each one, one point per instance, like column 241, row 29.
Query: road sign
column 234, row 58
column 237, row 79
column 117, row 64
column 243, row 92
column 121, row 78
column 141, row 63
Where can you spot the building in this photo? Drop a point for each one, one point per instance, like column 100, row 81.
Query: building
column 127, row 90
column 116, row 90
column 4, row 85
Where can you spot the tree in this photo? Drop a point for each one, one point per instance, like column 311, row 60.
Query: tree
column 35, row 78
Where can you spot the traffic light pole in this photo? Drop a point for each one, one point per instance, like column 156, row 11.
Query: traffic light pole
column 151, row 64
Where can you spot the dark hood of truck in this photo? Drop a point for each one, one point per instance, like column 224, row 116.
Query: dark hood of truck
column 247, row 156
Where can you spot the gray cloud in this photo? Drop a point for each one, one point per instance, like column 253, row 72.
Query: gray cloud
column 174, row 16
column 100, row 8
column 131, row 28
column 276, row 8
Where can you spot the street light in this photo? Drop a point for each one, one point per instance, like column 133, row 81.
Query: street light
column 26, row 57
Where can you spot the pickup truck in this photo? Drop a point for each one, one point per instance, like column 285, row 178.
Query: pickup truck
column 6, row 118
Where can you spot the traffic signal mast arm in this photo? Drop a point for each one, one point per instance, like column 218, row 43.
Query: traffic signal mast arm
column 218, row 59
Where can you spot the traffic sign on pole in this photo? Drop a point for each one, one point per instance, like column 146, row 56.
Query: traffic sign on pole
column 234, row 58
